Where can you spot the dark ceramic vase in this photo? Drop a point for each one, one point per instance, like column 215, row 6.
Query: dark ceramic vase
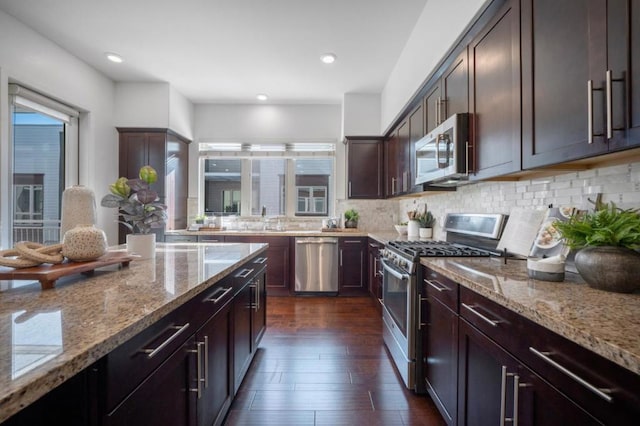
column 351, row 224
column 609, row 268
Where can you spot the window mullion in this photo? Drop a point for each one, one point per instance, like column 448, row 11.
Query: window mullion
column 290, row 188
column 245, row 184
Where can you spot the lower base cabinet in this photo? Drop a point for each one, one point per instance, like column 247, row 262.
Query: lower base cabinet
column 168, row 396
column 495, row 389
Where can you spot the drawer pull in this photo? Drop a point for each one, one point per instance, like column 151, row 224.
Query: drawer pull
column 217, row 299
column 244, row 273
column 179, row 330
column 260, row 260
column 438, row 288
column 545, row 356
column 489, row 321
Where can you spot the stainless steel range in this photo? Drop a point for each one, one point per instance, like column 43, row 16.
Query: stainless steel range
column 468, row 235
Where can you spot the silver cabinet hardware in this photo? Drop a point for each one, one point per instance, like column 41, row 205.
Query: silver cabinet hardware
column 503, row 394
column 244, row 273
column 437, row 288
column 590, row 91
column 545, row 356
column 206, row 361
column 260, row 260
column 254, row 289
column 392, row 271
column 151, row 352
column 351, row 241
column 217, row 299
column 609, row 101
column 420, row 323
column 349, row 188
column 199, row 379
column 472, row 309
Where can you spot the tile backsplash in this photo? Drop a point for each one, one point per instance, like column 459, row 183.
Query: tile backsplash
column 620, row 184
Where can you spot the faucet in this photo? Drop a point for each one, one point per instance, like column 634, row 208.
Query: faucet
column 264, row 218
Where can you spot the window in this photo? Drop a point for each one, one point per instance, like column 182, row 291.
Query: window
column 286, row 179
column 268, row 186
column 46, row 130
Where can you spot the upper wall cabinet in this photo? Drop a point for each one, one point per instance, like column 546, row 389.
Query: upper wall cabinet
column 166, row 152
column 449, row 95
column 494, row 101
column 365, row 167
column 579, row 79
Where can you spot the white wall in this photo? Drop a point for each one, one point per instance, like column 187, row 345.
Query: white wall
column 31, row 60
column 181, row 114
column 142, row 105
column 361, row 114
column 440, row 23
column 247, row 123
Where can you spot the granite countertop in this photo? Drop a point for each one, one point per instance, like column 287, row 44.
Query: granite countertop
column 47, row 336
column 604, row 322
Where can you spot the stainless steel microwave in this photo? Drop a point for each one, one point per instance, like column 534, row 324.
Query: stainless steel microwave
column 442, row 156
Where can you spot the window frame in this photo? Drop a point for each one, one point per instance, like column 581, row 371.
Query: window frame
column 290, row 199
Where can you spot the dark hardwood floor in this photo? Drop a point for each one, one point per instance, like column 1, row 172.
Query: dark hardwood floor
column 322, row 362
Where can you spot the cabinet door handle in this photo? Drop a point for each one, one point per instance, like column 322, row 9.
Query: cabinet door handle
column 590, row 91
column 516, row 392
column 256, row 299
column 349, row 188
column 151, row 352
column 217, row 299
column 420, row 323
column 205, row 344
column 545, row 356
column 244, row 273
column 503, row 394
column 199, row 379
column 440, row 289
column 489, row 321
column 438, row 111
column 609, row 101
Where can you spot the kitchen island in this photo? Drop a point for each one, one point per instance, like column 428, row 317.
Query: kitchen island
column 49, row 336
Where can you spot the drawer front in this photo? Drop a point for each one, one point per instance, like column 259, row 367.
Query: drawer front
column 129, row 364
column 440, row 287
column 606, row 390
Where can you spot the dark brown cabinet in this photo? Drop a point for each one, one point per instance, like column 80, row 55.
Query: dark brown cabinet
column 564, row 62
column 494, row 101
column 167, row 396
column 215, row 343
column 375, row 278
column 365, row 168
column 280, row 256
column 449, row 94
column 495, row 388
column 440, row 342
column 352, row 273
column 166, row 152
column 392, row 152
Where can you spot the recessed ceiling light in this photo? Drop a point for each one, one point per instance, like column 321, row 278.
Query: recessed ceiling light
column 114, row 57
column 328, row 58
column 262, row 97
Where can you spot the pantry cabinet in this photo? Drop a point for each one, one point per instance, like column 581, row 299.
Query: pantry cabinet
column 168, row 153
column 494, row 64
column 365, row 176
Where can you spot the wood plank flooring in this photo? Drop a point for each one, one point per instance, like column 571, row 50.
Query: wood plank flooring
column 322, row 362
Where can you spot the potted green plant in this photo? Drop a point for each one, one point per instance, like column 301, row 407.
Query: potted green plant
column 139, row 208
column 606, row 240
column 200, row 219
column 351, row 217
column 426, row 221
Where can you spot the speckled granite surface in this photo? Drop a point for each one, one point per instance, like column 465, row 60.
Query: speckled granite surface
column 48, row 336
column 383, row 236
column 606, row 323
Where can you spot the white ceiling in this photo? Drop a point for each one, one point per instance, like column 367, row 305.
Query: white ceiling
column 231, row 50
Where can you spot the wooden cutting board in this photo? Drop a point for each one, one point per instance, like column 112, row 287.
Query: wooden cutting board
column 49, row 274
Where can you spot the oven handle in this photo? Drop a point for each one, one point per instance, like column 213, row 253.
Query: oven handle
column 393, row 272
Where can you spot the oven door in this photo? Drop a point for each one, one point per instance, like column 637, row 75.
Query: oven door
column 399, row 321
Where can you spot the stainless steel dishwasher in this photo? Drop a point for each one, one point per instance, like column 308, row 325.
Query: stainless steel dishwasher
column 316, row 265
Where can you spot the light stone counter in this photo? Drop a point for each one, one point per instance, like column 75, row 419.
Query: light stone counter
column 606, row 323
column 384, row 236
column 48, row 336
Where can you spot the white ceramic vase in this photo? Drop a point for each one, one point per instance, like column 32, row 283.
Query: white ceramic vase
column 413, row 229
column 142, row 245
column 78, row 208
column 426, row 233
column 84, row 242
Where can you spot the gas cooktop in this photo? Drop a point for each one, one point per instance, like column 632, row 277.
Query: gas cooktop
column 416, row 249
